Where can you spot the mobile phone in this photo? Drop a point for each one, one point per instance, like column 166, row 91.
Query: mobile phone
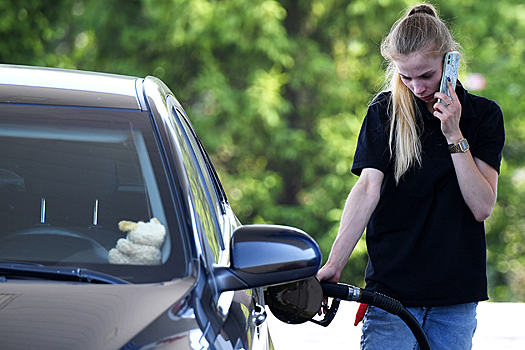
column 450, row 70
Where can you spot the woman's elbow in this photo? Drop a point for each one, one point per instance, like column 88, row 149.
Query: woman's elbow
column 482, row 216
column 483, row 213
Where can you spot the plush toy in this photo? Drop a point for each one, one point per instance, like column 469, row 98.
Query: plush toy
column 142, row 244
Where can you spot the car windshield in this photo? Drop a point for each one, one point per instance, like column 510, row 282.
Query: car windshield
column 73, row 181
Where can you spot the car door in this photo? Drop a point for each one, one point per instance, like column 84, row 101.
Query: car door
column 247, row 314
column 240, row 313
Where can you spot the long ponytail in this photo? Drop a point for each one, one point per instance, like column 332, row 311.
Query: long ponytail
column 404, row 139
column 421, row 28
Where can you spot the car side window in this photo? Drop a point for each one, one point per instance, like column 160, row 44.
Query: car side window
column 205, row 196
column 204, row 164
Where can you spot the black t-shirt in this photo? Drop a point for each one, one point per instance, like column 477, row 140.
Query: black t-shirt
column 425, row 247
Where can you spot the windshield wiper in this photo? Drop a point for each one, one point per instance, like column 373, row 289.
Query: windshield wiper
column 56, row 273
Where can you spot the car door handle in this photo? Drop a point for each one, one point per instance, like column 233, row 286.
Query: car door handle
column 258, row 315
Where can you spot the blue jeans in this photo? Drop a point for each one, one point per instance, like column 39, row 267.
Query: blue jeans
column 446, row 327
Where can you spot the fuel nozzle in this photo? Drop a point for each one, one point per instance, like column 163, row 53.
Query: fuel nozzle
column 351, row 293
column 300, row 301
column 384, row 302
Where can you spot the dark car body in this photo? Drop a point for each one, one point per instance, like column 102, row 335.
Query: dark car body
column 79, row 153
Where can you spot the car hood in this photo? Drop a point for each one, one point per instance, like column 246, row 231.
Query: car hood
column 38, row 315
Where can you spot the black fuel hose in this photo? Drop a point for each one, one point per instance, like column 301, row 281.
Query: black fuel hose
column 346, row 292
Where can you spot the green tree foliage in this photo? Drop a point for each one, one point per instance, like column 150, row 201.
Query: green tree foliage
column 278, row 89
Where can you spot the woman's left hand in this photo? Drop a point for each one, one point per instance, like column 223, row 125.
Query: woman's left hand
column 449, row 113
column 477, row 180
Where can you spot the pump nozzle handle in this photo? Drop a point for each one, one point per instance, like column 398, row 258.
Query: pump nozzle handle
column 346, row 292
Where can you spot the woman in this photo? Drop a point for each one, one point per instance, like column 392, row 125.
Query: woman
column 422, row 192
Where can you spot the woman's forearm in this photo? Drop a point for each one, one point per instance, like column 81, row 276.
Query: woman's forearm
column 478, row 183
column 359, row 206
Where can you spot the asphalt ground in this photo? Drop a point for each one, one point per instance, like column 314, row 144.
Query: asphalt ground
column 500, row 326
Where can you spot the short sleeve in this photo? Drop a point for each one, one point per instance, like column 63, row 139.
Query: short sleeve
column 491, row 137
column 372, row 145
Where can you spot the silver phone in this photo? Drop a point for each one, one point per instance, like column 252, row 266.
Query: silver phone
column 450, row 70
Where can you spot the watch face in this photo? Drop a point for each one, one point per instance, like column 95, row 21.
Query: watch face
column 463, row 145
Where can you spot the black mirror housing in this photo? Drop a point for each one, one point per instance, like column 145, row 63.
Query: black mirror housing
column 264, row 255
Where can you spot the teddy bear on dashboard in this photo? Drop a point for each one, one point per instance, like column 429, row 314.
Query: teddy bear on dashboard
column 142, row 244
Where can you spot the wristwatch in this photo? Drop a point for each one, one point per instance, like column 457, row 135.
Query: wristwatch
column 461, row 147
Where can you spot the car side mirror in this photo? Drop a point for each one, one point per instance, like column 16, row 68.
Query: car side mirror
column 264, row 255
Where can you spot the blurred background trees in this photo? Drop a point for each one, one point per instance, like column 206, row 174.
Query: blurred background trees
column 278, row 89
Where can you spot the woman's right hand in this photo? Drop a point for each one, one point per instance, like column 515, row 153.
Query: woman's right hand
column 328, row 273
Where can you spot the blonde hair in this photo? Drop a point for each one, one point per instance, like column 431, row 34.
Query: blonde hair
column 419, row 29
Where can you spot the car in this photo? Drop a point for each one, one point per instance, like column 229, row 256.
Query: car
column 90, row 165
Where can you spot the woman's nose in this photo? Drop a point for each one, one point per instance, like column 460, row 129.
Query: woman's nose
column 418, row 87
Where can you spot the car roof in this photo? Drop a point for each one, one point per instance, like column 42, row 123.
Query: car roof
column 64, row 87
